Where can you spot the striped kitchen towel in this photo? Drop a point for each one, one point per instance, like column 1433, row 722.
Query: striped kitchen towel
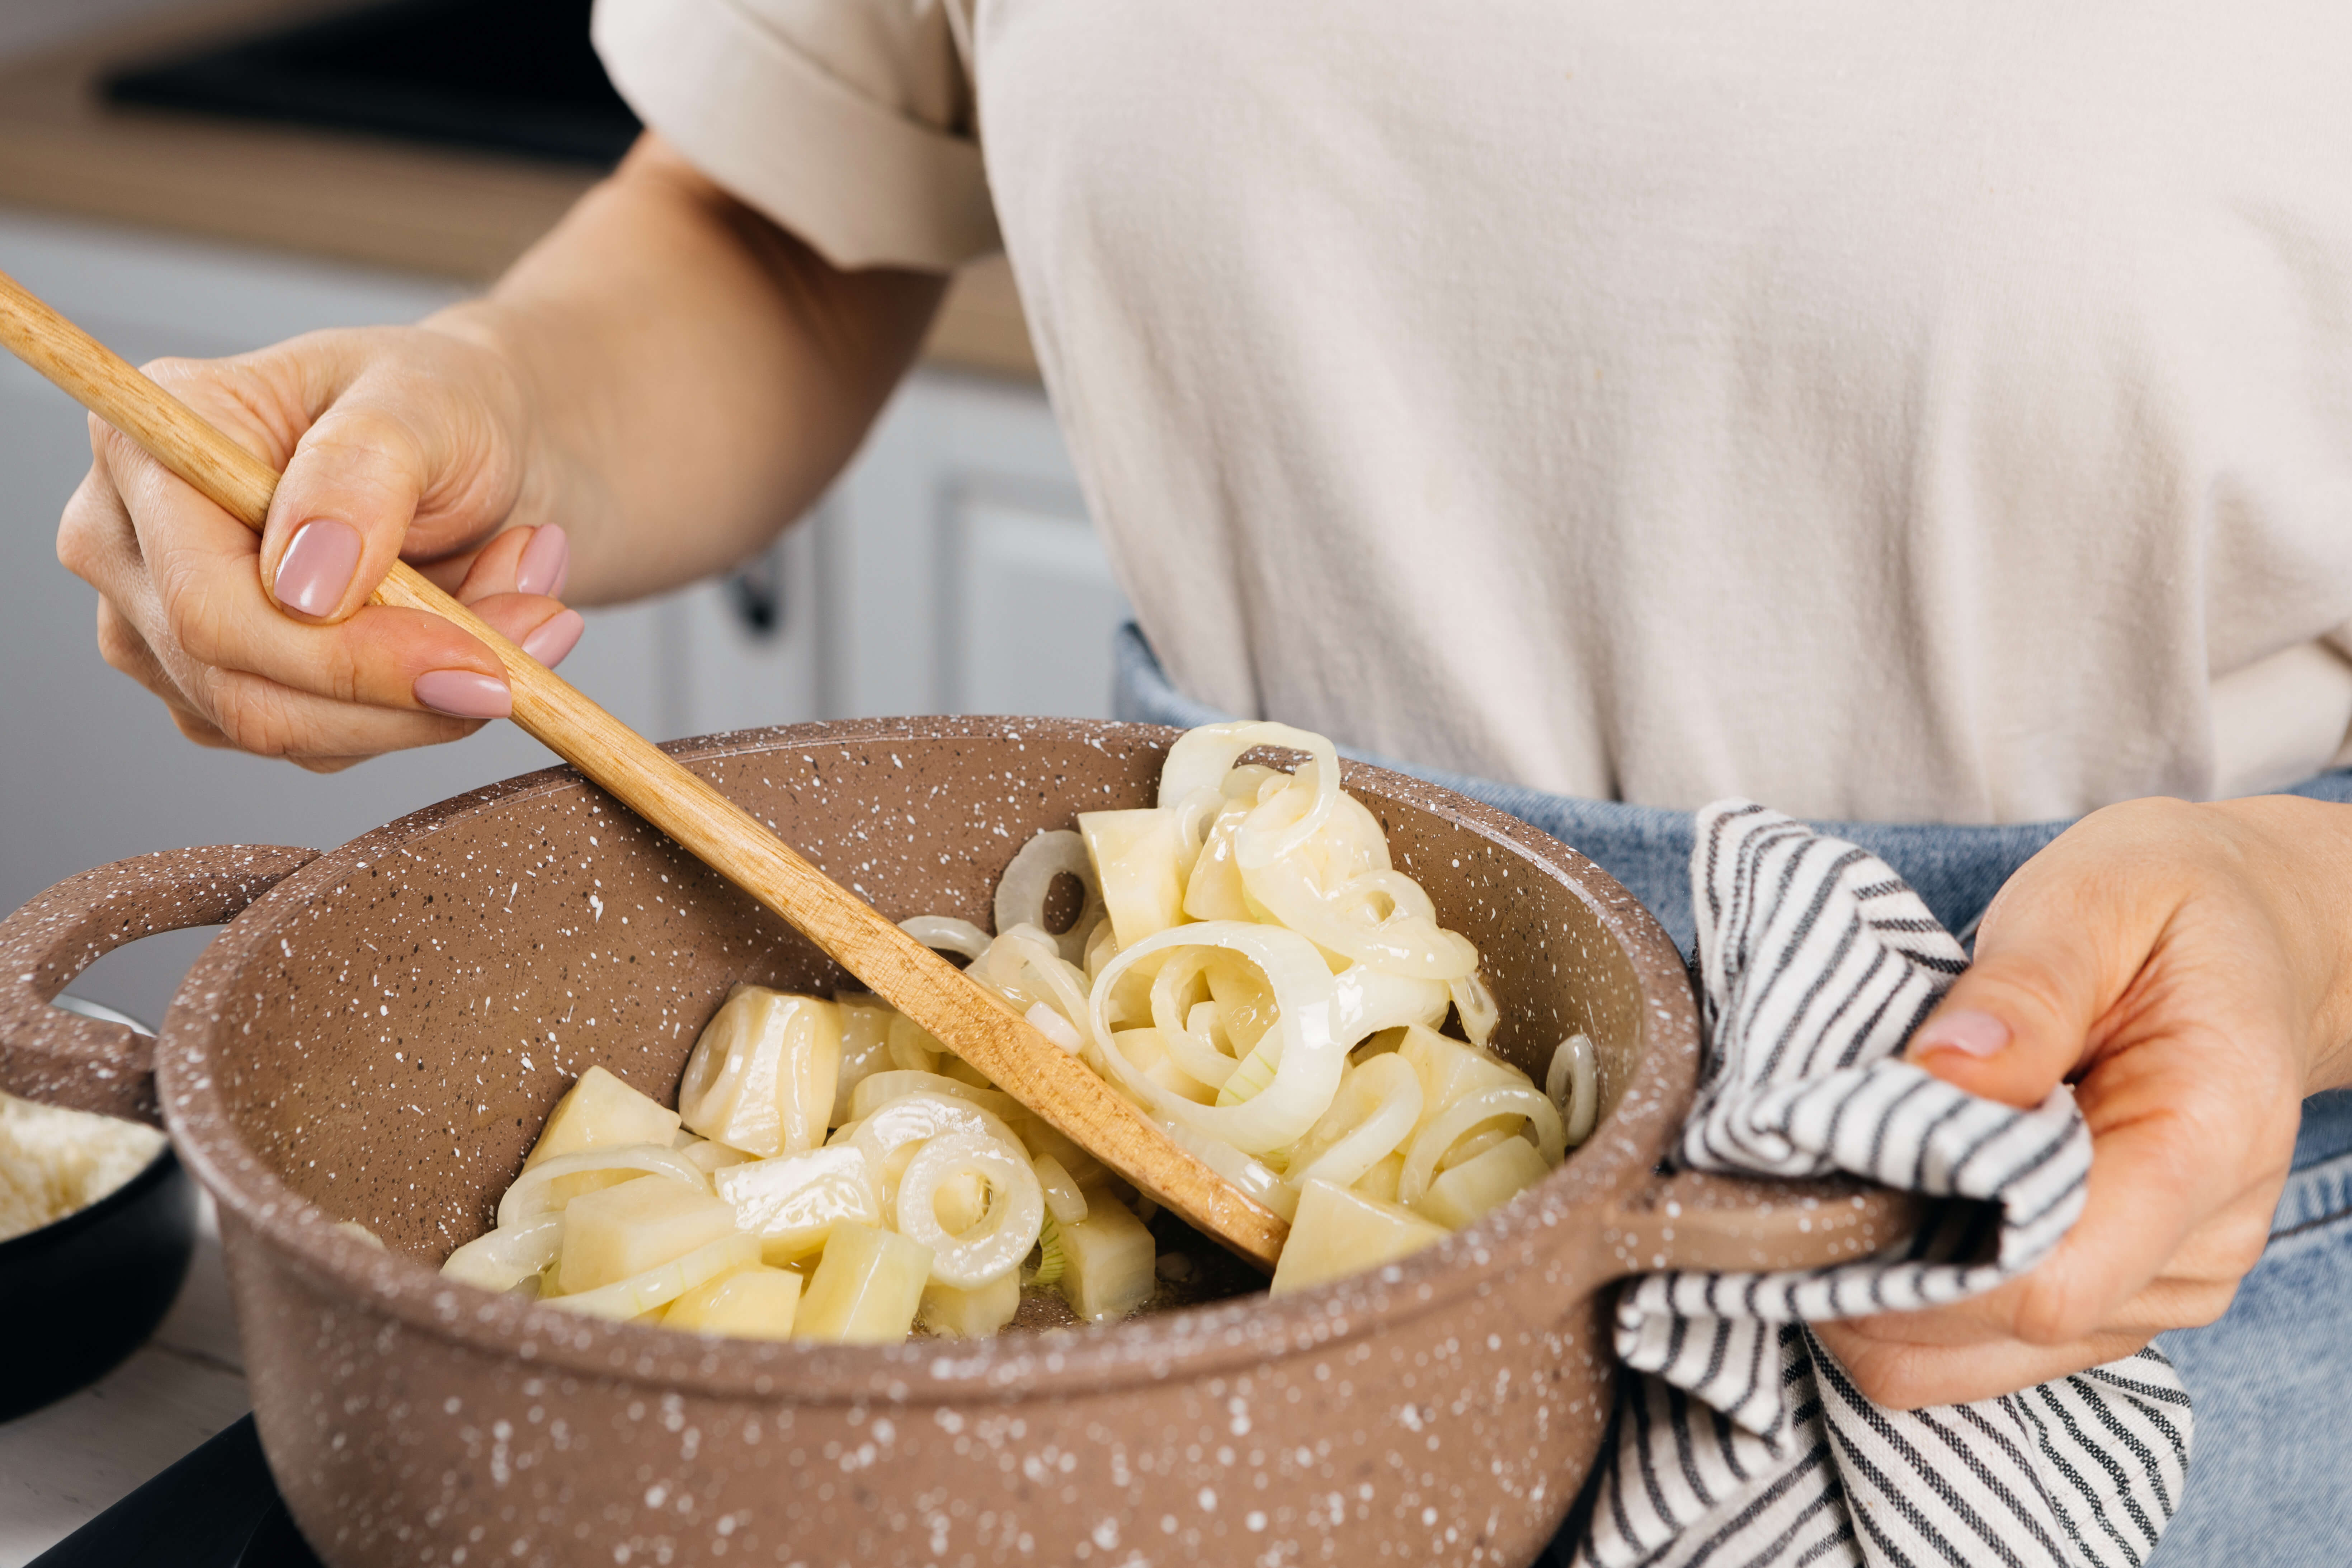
column 1742, row 1443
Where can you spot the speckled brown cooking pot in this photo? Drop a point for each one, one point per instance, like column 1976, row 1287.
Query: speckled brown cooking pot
column 378, row 1037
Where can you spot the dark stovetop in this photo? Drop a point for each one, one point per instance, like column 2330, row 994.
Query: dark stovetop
column 217, row 1508
column 506, row 76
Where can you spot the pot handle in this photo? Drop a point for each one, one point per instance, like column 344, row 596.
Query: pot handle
column 62, row 1059
column 1713, row 1224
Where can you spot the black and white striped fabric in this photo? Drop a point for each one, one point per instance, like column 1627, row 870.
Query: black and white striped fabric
column 1745, row 1445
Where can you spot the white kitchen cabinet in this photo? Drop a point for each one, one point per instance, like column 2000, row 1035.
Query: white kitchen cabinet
column 952, row 569
column 958, row 554
column 1024, row 584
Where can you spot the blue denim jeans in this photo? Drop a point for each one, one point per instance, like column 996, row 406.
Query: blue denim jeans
column 2270, row 1479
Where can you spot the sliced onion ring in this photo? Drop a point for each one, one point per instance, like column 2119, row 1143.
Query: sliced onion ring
column 1308, row 1056
column 911, row 1118
column 1002, row 1238
column 1573, row 1082
column 1182, row 1030
column 1430, row 1144
column 1200, row 758
column 1196, row 815
column 665, row 1282
column 1405, row 897
column 1035, row 960
column 912, row 1047
column 1254, row 1177
column 1480, row 1138
column 1475, row 1000
column 1020, row 891
column 1065, row 1199
column 878, row 1089
column 1365, row 1000
column 1048, row 1021
column 527, row 1198
column 1371, row 1116
column 1195, row 1050
column 945, row 933
column 503, row 1259
column 1403, row 943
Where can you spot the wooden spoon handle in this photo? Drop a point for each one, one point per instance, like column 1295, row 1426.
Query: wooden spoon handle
column 724, row 836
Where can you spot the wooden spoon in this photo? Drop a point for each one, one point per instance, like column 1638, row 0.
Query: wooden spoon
column 723, row 835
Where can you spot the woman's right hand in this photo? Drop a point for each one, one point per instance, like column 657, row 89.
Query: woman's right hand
column 395, row 442
column 667, row 370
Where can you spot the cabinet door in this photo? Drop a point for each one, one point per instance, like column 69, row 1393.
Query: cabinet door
column 1029, row 608
column 951, row 570
column 958, row 553
column 742, row 651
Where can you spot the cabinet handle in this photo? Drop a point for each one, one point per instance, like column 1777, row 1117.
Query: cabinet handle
column 758, row 591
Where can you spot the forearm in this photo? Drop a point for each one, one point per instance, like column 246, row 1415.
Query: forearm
column 693, row 377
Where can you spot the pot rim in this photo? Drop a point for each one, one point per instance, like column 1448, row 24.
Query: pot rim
column 1189, row 1342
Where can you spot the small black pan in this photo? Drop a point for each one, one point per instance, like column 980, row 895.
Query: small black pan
column 79, row 1295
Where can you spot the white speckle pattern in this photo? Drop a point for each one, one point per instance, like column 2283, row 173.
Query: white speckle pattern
column 380, row 1039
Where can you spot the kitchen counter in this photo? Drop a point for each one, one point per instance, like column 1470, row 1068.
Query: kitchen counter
column 371, row 200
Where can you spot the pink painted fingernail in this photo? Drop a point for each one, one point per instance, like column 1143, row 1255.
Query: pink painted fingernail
column 463, row 694
column 318, row 565
column 545, row 565
column 557, row 638
column 1977, row 1034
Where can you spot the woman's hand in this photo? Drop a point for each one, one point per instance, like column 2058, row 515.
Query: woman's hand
column 394, row 442
column 2185, row 968
column 669, row 373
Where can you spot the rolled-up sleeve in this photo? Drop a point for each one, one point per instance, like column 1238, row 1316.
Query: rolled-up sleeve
column 847, row 121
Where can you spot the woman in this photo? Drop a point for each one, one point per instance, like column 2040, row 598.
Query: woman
column 1899, row 416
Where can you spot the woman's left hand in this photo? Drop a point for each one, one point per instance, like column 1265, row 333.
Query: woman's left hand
column 2186, row 967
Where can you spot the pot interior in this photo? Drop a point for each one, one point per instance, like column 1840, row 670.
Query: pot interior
column 400, row 1017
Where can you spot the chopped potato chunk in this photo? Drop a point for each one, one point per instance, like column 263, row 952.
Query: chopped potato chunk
column 598, row 1111
column 761, row 1077
column 1484, row 1182
column 636, row 1225
column 1108, row 1260
column 792, row 1204
column 1135, row 853
column 864, row 1048
column 1338, row 1232
column 1450, row 1069
column 754, row 1304
column 865, row 1288
column 973, row 1314
column 1380, row 1180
